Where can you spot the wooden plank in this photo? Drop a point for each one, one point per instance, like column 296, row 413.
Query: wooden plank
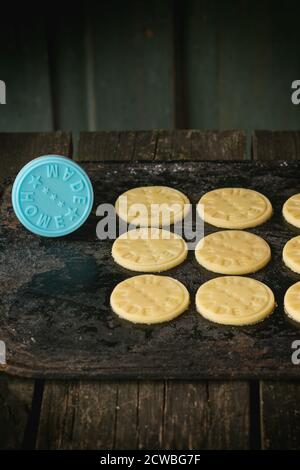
column 213, row 145
column 145, row 145
column 280, row 415
column 193, row 410
column 127, row 415
column 15, row 408
column 162, row 145
column 279, row 402
column 16, row 149
column 77, row 415
column 136, row 91
column 276, row 145
column 95, row 146
column 150, row 412
column 24, row 68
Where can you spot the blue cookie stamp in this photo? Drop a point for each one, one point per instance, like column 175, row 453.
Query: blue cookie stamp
column 52, row 196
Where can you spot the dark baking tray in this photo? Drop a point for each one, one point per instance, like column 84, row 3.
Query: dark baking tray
column 55, row 316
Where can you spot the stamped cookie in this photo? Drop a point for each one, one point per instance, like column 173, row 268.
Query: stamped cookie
column 292, row 302
column 235, row 208
column 149, row 250
column 234, row 300
column 152, row 206
column 149, row 299
column 291, row 254
column 291, row 210
column 232, row 252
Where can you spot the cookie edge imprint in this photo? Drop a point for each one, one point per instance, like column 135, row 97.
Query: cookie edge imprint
column 284, row 259
column 237, row 272
column 237, row 226
column 286, row 216
column 184, row 306
column 287, row 313
column 150, row 268
column 271, row 305
column 173, row 220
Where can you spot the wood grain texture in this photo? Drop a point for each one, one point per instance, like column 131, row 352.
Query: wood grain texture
column 276, row 145
column 280, row 415
column 161, row 145
column 151, row 409
column 15, row 408
column 77, row 415
column 279, row 402
column 201, row 415
column 16, row 149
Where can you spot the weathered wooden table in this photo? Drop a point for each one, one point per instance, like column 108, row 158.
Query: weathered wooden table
column 148, row 414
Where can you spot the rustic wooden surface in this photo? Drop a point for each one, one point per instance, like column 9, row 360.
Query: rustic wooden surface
column 17, row 415
column 142, row 409
column 64, row 327
column 199, row 414
column 279, row 402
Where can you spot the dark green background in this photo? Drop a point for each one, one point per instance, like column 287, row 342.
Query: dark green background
column 118, row 65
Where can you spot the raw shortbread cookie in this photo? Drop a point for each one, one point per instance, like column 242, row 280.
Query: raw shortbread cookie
column 234, row 208
column 291, row 254
column 152, row 206
column 149, row 299
column 291, row 210
column 232, row 252
column 234, row 300
column 149, row 250
column 292, row 302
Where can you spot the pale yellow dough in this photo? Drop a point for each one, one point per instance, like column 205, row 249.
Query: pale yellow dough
column 291, row 254
column 149, row 250
column 152, row 206
column 234, row 300
column 232, row 252
column 292, row 302
column 235, row 208
column 149, row 299
column 291, row 210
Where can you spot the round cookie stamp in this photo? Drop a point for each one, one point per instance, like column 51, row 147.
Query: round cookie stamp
column 232, row 252
column 152, row 206
column 291, row 210
column 52, row 196
column 235, row 208
column 234, row 300
column 149, row 299
column 149, row 250
column 291, row 254
column 292, row 302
